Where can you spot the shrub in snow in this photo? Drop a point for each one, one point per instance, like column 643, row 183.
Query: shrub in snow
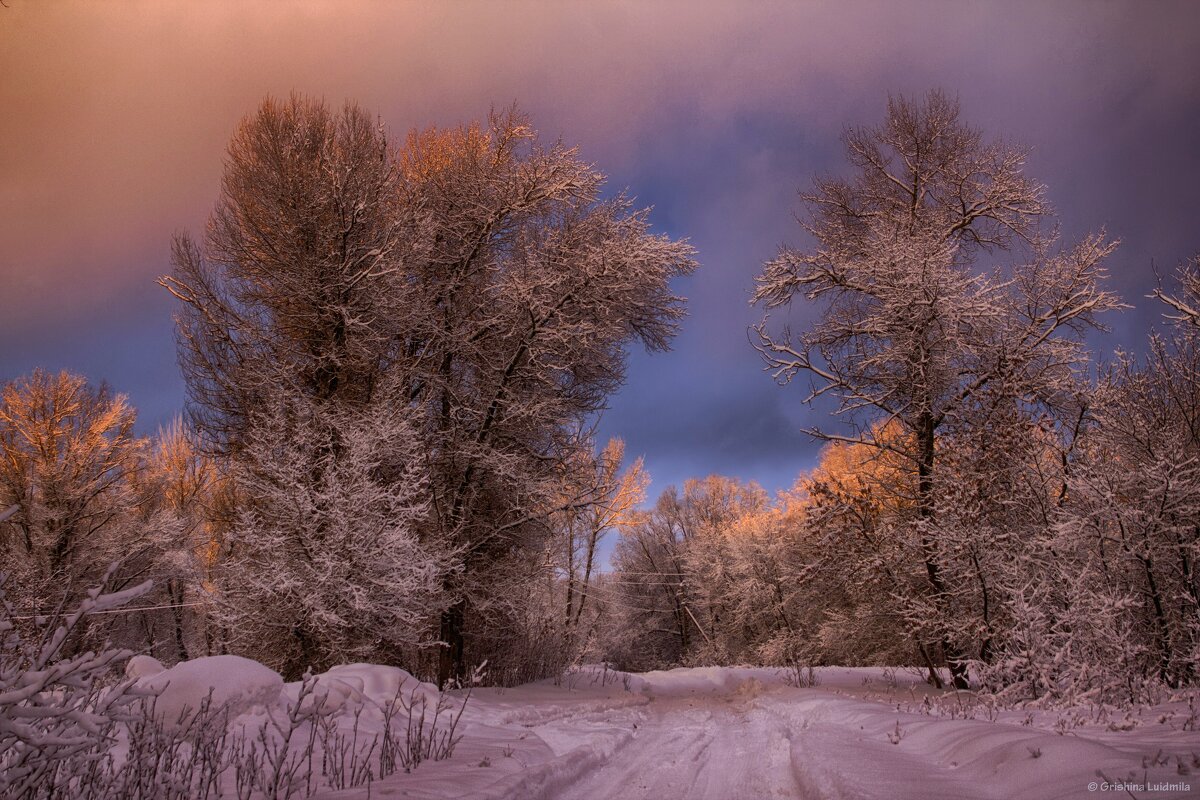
column 183, row 734
column 56, row 715
column 430, row 731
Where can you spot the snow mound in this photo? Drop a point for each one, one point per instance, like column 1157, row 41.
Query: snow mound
column 239, row 683
column 376, row 683
column 332, row 694
column 143, row 667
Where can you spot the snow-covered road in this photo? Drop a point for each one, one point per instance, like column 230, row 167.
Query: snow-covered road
column 704, row 748
column 733, row 734
column 695, row 739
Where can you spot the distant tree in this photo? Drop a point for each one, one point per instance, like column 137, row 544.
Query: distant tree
column 705, row 512
column 673, row 567
column 176, row 489
column 67, row 457
column 913, row 331
column 602, row 496
column 86, row 493
column 650, row 594
column 771, row 606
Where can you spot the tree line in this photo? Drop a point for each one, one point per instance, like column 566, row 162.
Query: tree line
column 395, row 357
column 990, row 501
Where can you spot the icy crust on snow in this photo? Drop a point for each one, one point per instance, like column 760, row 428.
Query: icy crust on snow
column 237, row 683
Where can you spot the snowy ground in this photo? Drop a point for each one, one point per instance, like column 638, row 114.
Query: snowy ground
column 728, row 733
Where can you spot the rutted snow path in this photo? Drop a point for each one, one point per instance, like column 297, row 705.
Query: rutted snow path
column 705, row 748
column 742, row 734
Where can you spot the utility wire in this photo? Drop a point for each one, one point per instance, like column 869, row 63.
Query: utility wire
column 116, row 610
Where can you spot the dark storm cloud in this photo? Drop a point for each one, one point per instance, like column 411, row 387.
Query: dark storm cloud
column 735, row 423
column 114, row 118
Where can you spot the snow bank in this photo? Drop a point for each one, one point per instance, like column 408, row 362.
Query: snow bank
column 900, row 754
column 241, row 684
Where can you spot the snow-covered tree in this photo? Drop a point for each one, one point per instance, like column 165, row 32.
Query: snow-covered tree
column 1184, row 303
column 746, row 577
column 922, row 325
column 529, row 288
column 860, row 557
column 322, row 564
column 85, row 492
column 473, row 280
column 177, row 488
column 293, row 318
column 705, row 513
column 67, row 458
column 1133, row 505
column 1099, row 604
column 56, row 714
column 297, row 277
column 599, row 497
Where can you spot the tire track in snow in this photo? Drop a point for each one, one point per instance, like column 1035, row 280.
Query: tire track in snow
column 703, row 748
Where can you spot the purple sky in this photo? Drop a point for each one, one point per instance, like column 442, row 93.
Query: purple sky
column 113, row 119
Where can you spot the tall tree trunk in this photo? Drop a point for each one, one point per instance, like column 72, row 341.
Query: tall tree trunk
column 308, row 655
column 450, row 659
column 175, row 592
column 1189, row 604
column 1160, row 620
column 926, row 431
column 985, row 649
column 934, row 679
